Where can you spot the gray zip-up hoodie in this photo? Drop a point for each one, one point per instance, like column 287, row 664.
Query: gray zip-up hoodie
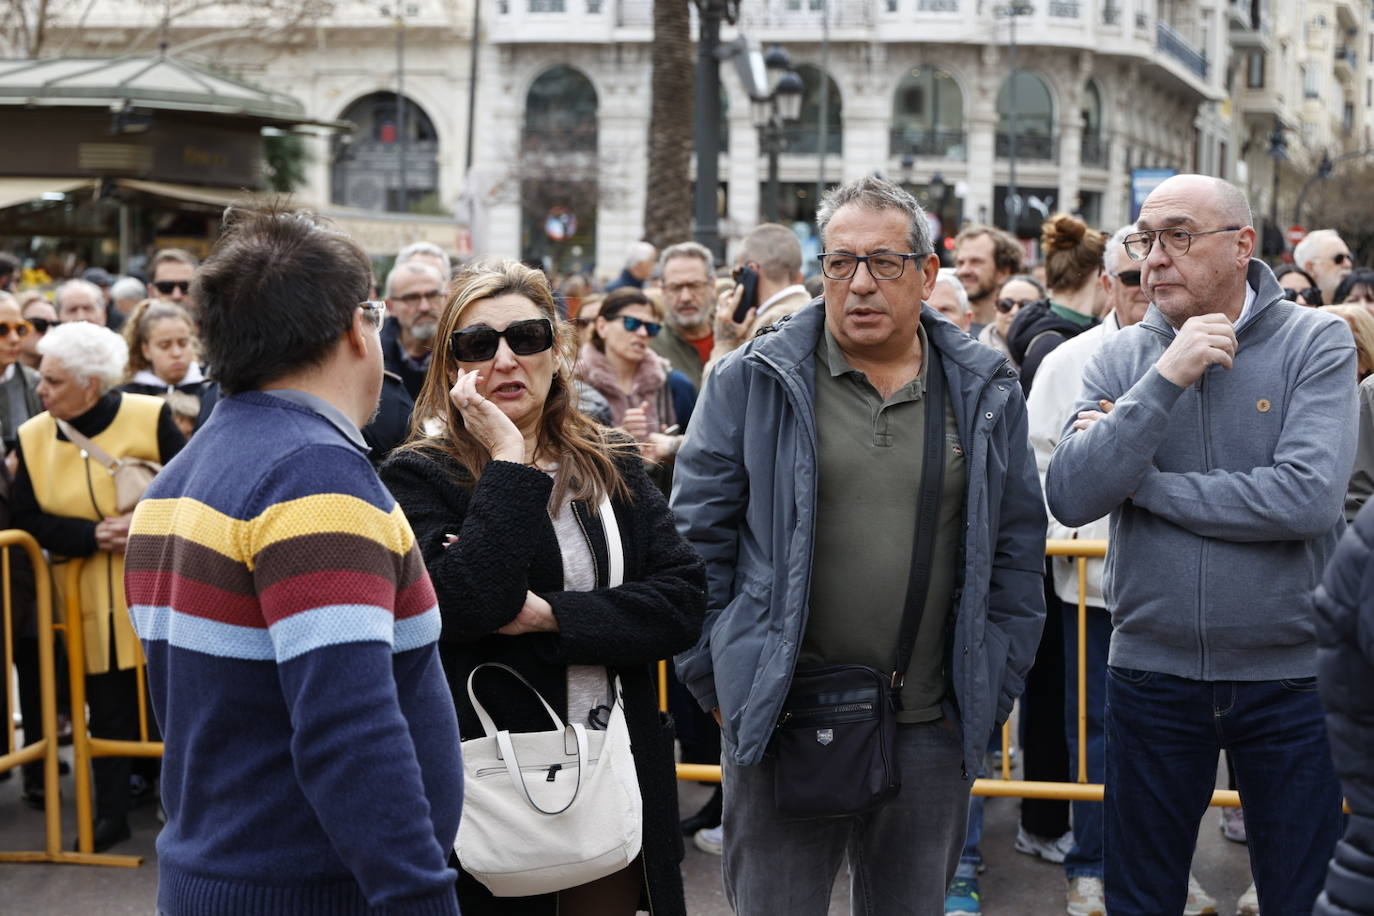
column 744, row 493
column 1225, row 498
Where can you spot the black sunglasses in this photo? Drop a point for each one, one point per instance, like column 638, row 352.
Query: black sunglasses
column 1312, row 295
column 1128, row 277
column 42, row 325
column 1006, row 305
column 525, row 338
column 166, row 286
column 633, row 324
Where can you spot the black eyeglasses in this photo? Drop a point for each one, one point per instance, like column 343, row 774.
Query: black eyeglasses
column 1128, row 277
column 839, row 265
column 433, row 295
column 525, row 338
column 1006, row 305
column 1175, row 239
column 633, row 324
column 42, row 325
column 166, row 286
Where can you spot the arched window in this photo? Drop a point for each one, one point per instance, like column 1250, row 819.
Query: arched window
column 928, row 115
column 368, row 163
column 1094, row 144
column 1027, row 95
column 558, row 171
column 804, row 136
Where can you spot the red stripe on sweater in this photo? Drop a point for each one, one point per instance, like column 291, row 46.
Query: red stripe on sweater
column 188, row 596
column 321, row 589
column 415, row 599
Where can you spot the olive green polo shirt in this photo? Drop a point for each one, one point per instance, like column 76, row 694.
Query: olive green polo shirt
column 870, row 454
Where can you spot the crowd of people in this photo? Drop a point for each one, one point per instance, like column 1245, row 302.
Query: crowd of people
column 741, row 471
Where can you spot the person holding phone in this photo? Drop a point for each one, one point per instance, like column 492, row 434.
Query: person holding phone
column 768, row 287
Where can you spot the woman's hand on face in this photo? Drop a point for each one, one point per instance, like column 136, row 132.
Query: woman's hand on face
column 486, row 421
column 636, row 421
column 536, row 616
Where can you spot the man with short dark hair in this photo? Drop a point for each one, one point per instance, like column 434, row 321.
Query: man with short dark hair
column 415, row 298
column 984, row 257
column 310, row 742
column 1219, row 433
column 689, row 298
column 114, row 320
column 799, row 483
column 171, row 270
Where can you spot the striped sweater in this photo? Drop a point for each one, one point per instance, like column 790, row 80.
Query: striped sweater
column 311, row 757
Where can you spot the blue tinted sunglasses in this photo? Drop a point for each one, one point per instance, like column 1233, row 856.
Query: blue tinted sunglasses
column 633, row 324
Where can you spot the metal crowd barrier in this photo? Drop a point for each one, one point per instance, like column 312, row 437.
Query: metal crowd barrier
column 46, row 748
column 84, row 746
column 1082, row 790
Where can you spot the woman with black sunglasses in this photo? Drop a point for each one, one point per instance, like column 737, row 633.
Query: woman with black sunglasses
column 501, row 482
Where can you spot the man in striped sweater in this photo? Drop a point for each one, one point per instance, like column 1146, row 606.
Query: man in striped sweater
column 311, row 748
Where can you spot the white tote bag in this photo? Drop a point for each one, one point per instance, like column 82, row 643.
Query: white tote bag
column 544, row 811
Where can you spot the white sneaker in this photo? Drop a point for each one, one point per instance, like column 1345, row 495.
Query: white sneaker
column 1049, row 850
column 1233, row 824
column 1199, row 902
column 1248, row 904
column 710, row 840
column 1086, row 897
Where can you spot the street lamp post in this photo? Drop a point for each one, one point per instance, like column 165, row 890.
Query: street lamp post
column 706, row 219
column 1012, row 204
column 771, row 113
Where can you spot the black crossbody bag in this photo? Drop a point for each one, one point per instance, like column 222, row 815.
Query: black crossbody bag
column 835, row 743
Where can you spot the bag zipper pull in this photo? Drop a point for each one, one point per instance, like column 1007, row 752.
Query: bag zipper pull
column 553, row 770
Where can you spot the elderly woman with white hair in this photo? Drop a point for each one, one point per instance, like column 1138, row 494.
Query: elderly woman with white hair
column 66, row 499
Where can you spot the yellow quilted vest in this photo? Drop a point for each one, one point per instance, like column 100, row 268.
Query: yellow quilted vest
column 65, row 483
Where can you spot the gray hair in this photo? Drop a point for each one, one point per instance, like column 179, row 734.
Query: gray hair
column 639, row 253
column 87, row 351
column 126, row 288
column 425, row 248
column 946, row 277
column 1305, row 250
column 411, row 267
column 775, row 249
column 96, row 293
column 688, row 250
column 874, row 193
column 1116, row 248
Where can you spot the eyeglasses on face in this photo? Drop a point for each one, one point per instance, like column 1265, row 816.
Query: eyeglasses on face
column 166, row 286
column 42, row 325
column 675, row 290
column 433, row 295
column 633, row 324
column 22, row 328
column 525, row 338
column 376, row 311
column 1175, row 239
column 840, row 265
column 1128, row 277
column 1006, row 305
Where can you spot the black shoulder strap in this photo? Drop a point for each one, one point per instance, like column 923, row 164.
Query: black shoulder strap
column 927, row 516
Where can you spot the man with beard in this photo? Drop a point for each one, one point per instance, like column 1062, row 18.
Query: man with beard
column 414, row 297
column 689, row 296
column 984, row 258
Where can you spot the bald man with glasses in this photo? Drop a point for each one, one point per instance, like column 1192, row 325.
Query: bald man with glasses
column 1219, row 434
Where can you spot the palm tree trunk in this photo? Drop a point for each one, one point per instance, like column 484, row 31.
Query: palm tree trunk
column 668, row 201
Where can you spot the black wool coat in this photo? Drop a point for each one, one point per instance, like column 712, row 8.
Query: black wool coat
column 506, row 545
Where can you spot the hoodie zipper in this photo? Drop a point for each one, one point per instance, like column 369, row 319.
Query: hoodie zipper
column 591, row 548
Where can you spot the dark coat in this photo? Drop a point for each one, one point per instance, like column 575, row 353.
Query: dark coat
column 1036, row 331
column 1345, row 676
column 506, row 545
column 393, row 354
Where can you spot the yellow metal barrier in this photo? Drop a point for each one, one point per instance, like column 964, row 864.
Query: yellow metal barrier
column 85, row 747
column 1082, row 790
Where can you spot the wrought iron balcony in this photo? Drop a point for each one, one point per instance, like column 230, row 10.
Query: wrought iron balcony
column 913, row 141
column 1094, row 151
column 1028, row 146
column 1173, row 44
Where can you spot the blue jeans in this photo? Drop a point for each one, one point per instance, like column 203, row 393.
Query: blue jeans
column 901, row 856
column 1163, row 737
column 1085, row 859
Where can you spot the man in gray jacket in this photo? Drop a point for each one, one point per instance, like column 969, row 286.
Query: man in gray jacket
column 1219, row 433
column 798, row 483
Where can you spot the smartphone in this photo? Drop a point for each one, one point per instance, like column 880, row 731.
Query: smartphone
column 748, row 278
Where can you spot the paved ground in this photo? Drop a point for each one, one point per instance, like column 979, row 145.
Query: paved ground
column 1014, row 884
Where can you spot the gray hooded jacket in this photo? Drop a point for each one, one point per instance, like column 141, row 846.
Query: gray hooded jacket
column 744, row 493
column 1225, row 498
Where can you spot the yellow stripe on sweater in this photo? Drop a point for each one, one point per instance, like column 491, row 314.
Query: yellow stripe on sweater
column 242, row 540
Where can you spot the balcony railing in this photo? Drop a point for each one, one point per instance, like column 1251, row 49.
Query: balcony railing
column 794, row 13
column 1064, row 9
column 1028, row 146
column 804, row 140
column 1094, row 151
column 1346, row 55
column 1111, row 14
column 937, row 6
column 912, row 141
column 1173, row 44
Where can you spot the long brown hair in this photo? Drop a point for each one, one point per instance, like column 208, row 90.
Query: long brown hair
column 586, row 457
